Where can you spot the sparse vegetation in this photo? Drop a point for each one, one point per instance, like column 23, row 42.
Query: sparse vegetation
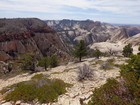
column 111, row 52
column 40, row 88
column 80, row 50
column 44, row 62
column 105, row 94
column 107, row 65
column 14, row 69
column 123, row 91
column 127, row 50
column 53, row 61
column 85, row 72
column 97, row 53
column 38, row 76
column 99, row 62
column 28, row 62
column 133, row 65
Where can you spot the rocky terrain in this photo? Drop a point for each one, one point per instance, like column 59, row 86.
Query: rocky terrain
column 95, row 34
column 80, row 92
column 132, row 30
column 91, row 31
column 135, row 40
column 18, row 36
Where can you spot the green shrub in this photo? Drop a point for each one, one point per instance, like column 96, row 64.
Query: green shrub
column 48, row 61
column 28, row 62
column 38, row 76
column 99, row 62
column 108, row 94
column 22, row 91
column 44, row 62
column 97, row 53
column 117, row 65
column 46, row 94
column 107, row 65
column 39, row 88
column 133, row 65
column 111, row 61
column 53, row 61
column 126, row 91
column 59, row 86
column 127, row 50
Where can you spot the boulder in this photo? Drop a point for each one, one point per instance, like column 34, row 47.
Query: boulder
column 7, row 103
column 18, row 103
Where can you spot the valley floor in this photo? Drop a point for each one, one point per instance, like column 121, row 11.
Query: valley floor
column 80, row 92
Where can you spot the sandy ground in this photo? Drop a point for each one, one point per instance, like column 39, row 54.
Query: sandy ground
column 68, row 73
column 118, row 47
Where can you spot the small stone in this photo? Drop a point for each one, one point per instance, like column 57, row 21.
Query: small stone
column 87, row 96
column 12, row 102
column 18, row 103
column 75, row 102
column 73, row 95
column 3, row 101
column 44, row 104
column 7, row 103
column 83, row 97
column 86, row 101
column 25, row 104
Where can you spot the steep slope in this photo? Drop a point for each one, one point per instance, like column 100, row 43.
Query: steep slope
column 132, row 30
column 120, row 35
column 19, row 36
column 72, row 31
column 134, row 40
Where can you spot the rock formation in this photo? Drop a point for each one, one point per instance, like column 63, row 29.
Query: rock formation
column 19, row 36
column 72, row 31
column 134, row 40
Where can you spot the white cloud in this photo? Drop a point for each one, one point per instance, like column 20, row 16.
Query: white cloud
column 130, row 8
column 118, row 6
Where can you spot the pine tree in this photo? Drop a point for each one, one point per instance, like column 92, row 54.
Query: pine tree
column 80, row 50
column 28, row 62
column 127, row 50
column 53, row 61
column 44, row 62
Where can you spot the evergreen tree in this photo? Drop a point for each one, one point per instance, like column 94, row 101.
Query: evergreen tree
column 53, row 61
column 28, row 62
column 80, row 50
column 127, row 50
column 44, row 62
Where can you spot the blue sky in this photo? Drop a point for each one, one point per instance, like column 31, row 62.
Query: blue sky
column 111, row 11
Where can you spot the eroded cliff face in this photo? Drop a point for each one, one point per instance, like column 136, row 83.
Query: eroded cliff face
column 134, row 40
column 19, row 36
column 72, row 31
